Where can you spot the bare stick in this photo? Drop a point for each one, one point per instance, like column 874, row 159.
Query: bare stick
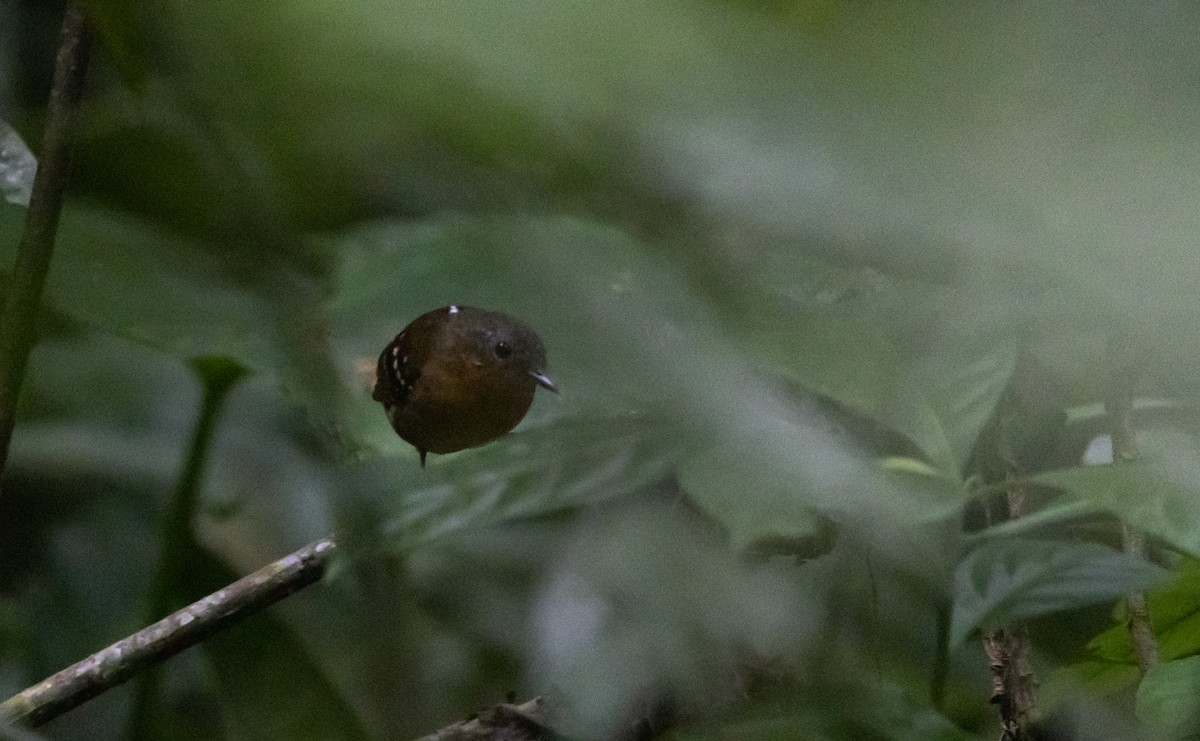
column 18, row 322
column 125, row 658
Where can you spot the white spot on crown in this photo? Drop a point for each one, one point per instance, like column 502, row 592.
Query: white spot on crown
column 453, row 309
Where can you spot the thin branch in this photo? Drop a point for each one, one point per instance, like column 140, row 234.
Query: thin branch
column 187, row 627
column 18, row 322
column 218, row 377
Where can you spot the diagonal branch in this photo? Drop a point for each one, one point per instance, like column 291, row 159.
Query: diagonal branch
column 125, row 658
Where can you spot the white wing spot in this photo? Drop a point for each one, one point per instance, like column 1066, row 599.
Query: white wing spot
column 404, row 360
column 395, row 350
column 453, row 309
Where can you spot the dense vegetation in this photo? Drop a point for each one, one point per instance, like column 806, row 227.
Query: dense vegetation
column 845, row 301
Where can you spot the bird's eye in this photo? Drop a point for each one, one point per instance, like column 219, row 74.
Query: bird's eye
column 502, row 350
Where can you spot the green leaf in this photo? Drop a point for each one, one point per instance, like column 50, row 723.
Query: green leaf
column 1166, row 699
column 114, row 273
column 1093, row 678
column 888, row 712
column 950, row 393
column 124, row 277
column 1003, row 581
column 857, row 351
column 912, row 466
column 1055, row 514
column 1111, row 666
column 752, row 503
column 542, row 471
column 1175, row 610
column 1158, row 497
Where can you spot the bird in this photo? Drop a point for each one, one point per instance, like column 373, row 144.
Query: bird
column 459, row 377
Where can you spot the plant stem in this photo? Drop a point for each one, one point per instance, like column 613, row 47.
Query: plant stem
column 18, row 330
column 1124, row 446
column 941, row 663
column 219, row 376
column 1009, row 653
column 1008, row 649
column 1014, row 685
column 122, row 660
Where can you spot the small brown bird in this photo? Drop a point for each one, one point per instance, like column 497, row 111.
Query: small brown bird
column 459, row 377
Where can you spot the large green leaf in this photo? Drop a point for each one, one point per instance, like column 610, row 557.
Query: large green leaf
column 1111, row 666
column 864, row 340
column 1166, row 699
column 1006, row 580
column 887, row 713
column 1175, row 611
column 118, row 274
column 950, row 390
column 751, row 503
column 1158, row 495
column 542, row 471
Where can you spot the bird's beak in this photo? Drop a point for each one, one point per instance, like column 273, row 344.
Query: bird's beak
column 543, row 381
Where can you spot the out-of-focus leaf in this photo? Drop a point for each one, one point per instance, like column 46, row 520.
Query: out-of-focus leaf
column 1089, row 678
column 901, row 464
column 1003, row 581
column 821, row 714
column 1157, row 494
column 950, row 392
column 1045, row 518
column 17, row 166
column 528, row 474
column 752, row 504
column 647, row 603
column 1019, row 191
column 1175, row 608
column 152, row 287
column 115, row 273
column 1166, row 699
column 857, row 348
column 922, row 493
column 1111, row 666
column 270, row 683
column 755, row 505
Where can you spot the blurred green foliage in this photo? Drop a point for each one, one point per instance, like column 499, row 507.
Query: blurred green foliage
column 805, row 271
